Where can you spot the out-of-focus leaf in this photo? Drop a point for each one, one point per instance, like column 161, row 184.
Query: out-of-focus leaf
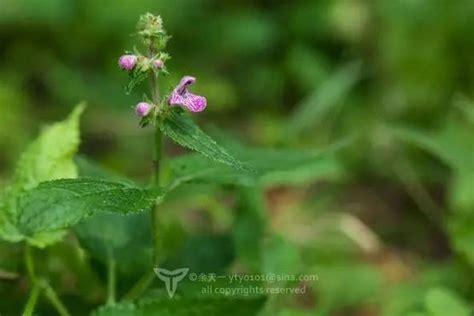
column 461, row 196
column 49, row 157
column 341, row 286
column 280, row 257
column 425, row 141
column 181, row 129
column 125, row 239
column 214, row 306
column 442, row 302
column 202, row 306
column 461, row 232
column 90, row 169
column 453, row 144
column 330, row 94
column 249, row 227
column 122, row 309
column 62, row 203
column 203, row 254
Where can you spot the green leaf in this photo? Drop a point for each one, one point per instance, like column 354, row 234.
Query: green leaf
column 442, row 302
column 124, row 238
column 91, row 169
column 461, row 191
column 202, row 306
column 137, row 76
column 461, row 233
column 62, row 203
column 127, row 239
column 425, row 141
column 329, row 95
column 280, row 256
column 185, row 306
column 48, row 157
column 181, row 129
column 122, row 309
column 249, row 227
column 272, row 166
column 51, row 155
column 342, row 286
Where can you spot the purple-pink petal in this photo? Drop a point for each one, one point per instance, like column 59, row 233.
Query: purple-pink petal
column 158, row 63
column 143, row 109
column 183, row 85
column 127, row 62
column 182, row 97
column 195, row 103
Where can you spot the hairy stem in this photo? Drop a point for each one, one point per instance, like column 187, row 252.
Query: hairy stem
column 146, row 280
column 155, row 212
column 111, row 281
column 158, row 156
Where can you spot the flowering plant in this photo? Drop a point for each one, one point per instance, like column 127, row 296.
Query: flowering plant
column 54, row 193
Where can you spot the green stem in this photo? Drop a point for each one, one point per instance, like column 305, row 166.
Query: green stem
column 111, row 281
column 29, row 263
column 39, row 285
column 156, row 211
column 158, row 157
column 36, row 288
column 32, row 300
column 54, row 299
column 146, row 280
column 140, row 287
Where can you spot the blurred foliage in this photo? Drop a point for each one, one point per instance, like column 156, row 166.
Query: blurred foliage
column 386, row 220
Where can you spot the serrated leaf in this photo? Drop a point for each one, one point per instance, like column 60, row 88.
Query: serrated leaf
column 51, row 155
column 272, row 166
column 62, row 203
column 48, row 157
column 136, row 77
column 124, row 238
column 180, row 128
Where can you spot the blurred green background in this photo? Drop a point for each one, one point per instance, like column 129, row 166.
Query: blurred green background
column 387, row 223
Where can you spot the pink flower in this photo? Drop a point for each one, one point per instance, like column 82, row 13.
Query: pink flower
column 143, row 109
column 127, row 62
column 182, row 97
column 158, row 63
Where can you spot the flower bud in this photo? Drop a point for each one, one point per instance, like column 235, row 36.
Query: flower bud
column 143, row 109
column 127, row 62
column 158, row 64
column 150, row 24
